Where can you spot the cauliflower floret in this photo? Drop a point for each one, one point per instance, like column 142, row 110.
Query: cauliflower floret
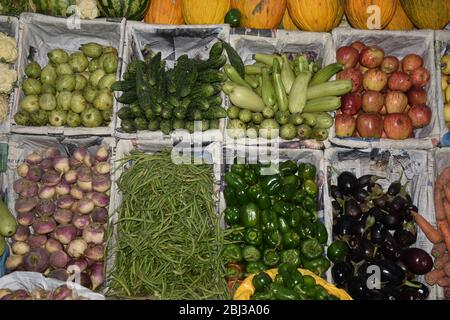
column 3, row 107
column 88, row 9
column 8, row 48
column 7, row 78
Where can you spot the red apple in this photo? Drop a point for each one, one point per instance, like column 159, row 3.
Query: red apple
column 395, row 102
column 358, row 45
column 344, row 125
column 411, row 62
column 354, row 76
column 371, row 57
column 399, row 81
column 372, row 101
column 351, row 103
column 390, row 64
column 397, row 126
column 383, row 111
column 420, row 116
column 420, row 77
column 348, row 56
column 375, row 80
column 369, row 125
column 417, row 96
column 363, row 69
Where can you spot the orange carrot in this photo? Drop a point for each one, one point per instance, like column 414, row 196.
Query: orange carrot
column 447, row 192
column 431, row 233
column 444, row 282
column 439, row 210
column 440, row 262
column 445, row 231
column 444, row 176
column 446, row 210
column 447, row 269
column 439, row 249
column 432, row 277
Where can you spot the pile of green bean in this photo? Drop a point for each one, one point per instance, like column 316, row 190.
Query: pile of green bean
column 169, row 240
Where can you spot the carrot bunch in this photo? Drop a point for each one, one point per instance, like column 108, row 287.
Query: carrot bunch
column 439, row 236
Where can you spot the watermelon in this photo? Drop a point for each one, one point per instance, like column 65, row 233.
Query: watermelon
column 14, row 7
column 54, row 7
column 130, row 9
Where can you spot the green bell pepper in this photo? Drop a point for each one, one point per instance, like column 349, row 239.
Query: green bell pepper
column 234, row 271
column 268, row 220
column 263, row 201
column 253, row 236
column 273, row 238
column 236, row 234
column 291, row 180
column 230, row 197
column 271, row 257
column 238, row 169
column 287, row 168
column 242, row 197
column 235, row 181
column 310, row 204
column 233, row 18
column 318, row 265
column 250, row 177
column 311, row 249
column 251, row 253
column 300, row 293
column 320, row 293
column 283, row 293
column 279, row 279
column 306, row 229
column 293, row 279
column 283, row 226
column 263, row 295
column 254, row 192
column 307, row 171
column 272, row 184
column 232, row 215
column 286, row 268
column 308, row 282
column 310, row 188
column 321, row 232
column 261, row 281
column 255, row 267
column 291, row 256
column 288, row 191
column 337, row 251
column 298, row 198
column 232, row 253
column 291, row 240
column 295, row 217
column 281, row 208
column 250, row 215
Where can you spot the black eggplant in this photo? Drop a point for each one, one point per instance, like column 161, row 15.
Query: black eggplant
column 407, row 235
column 376, row 295
column 352, row 208
column 409, row 202
column 377, row 234
column 356, row 249
column 382, row 202
column 343, row 226
column 391, row 250
column 361, row 194
column 342, row 272
column 376, row 213
column 394, row 188
column 417, row 261
column 390, row 292
column 414, row 290
column 399, row 204
column 364, row 206
column 369, row 249
column 361, row 269
column 358, row 228
column 368, row 179
column 390, row 272
column 336, row 193
column 347, row 183
column 357, row 288
column 392, row 220
column 409, row 274
column 337, row 209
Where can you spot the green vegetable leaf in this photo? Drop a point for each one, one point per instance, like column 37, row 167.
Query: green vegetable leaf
column 235, row 59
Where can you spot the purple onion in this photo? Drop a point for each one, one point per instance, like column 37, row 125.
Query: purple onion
column 51, row 153
column 84, row 173
column 33, row 158
column 62, row 188
column 25, row 219
column 34, row 173
column 85, row 280
column 59, row 274
column 85, row 206
column 20, row 248
column 65, row 233
column 25, row 188
column 100, row 199
column 101, row 154
column 51, row 178
column 97, row 275
column 74, row 206
column 61, row 164
column 44, row 225
column 22, row 233
column 79, row 233
column 88, row 160
column 25, row 204
column 58, row 259
column 62, row 293
column 79, row 153
column 46, row 164
column 103, row 168
column 85, row 186
column 77, row 265
column 94, row 233
column 94, row 252
column 74, row 163
column 65, row 202
column 47, row 192
column 22, row 170
column 76, row 192
column 13, row 262
column 53, row 245
column 76, row 248
column 70, row 176
column 63, row 216
column 81, row 221
column 21, row 294
column 89, row 195
column 45, row 207
column 99, row 215
column 101, row 183
column 37, row 241
column 37, row 260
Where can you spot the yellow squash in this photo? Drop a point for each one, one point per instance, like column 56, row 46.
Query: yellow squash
column 164, row 12
column 287, row 22
column 400, row 21
column 260, row 14
column 427, row 14
column 316, row 16
column 204, row 11
column 359, row 14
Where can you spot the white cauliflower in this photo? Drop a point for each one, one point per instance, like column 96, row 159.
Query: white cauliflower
column 8, row 48
column 88, row 9
column 3, row 107
column 7, row 78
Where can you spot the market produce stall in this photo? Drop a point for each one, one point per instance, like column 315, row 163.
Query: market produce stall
column 230, row 149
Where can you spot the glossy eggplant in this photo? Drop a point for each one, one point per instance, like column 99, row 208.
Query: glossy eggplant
column 382, row 202
column 351, row 208
column 404, row 237
column 376, row 213
column 414, row 291
column 377, row 234
column 417, row 261
column 361, row 194
column 357, row 288
column 394, row 188
column 337, row 208
column 356, row 249
column 347, row 183
column 392, row 220
column 358, row 228
column 343, row 226
column 391, row 250
column 390, row 272
column 409, row 274
column 369, row 249
column 342, row 272
column 336, row 193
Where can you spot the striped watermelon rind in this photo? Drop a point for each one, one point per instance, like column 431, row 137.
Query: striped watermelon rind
column 130, row 9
